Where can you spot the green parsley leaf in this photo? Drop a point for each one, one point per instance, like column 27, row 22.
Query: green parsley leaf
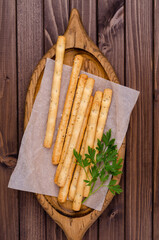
column 102, row 162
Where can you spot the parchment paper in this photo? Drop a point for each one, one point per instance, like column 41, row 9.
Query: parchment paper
column 34, row 171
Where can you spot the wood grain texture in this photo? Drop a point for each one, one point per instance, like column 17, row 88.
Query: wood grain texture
column 138, row 222
column 92, row 232
column 56, row 16
column 8, row 88
column 32, row 218
column 111, row 44
column 54, row 232
column 111, row 33
column 156, row 123
column 9, row 218
column 88, row 13
column 30, row 50
column 9, row 212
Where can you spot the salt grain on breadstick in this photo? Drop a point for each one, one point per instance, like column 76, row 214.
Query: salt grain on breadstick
column 67, row 109
column 92, row 124
column 106, row 101
column 78, row 96
column 76, row 131
column 63, row 192
column 55, row 92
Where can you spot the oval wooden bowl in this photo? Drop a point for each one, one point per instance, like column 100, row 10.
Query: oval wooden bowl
column 73, row 223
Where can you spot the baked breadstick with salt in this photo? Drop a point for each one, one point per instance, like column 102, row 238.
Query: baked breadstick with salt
column 78, row 96
column 92, row 124
column 55, row 91
column 63, row 192
column 67, row 109
column 106, row 101
column 76, row 131
column 73, row 185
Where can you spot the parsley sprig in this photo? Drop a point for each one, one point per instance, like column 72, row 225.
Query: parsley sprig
column 103, row 162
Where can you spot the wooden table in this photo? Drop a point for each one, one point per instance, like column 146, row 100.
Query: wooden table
column 127, row 32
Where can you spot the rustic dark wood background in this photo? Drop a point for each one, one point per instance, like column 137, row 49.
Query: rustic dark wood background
column 127, row 32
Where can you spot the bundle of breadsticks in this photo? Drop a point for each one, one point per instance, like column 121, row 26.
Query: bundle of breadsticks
column 82, row 123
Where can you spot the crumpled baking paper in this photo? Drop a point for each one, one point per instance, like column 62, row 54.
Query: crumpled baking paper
column 34, row 171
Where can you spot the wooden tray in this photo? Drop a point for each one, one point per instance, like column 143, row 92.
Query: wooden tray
column 73, row 223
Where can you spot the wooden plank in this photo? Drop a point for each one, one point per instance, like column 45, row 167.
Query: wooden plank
column 138, row 222
column 54, row 232
column 9, row 213
column 8, row 89
column 87, row 10
column 55, row 20
column 30, row 50
column 156, row 123
column 32, row 218
column 92, row 232
column 111, row 33
column 9, row 217
column 55, row 23
column 111, row 43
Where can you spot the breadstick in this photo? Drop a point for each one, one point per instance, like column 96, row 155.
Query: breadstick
column 76, row 131
column 67, row 109
column 64, row 190
column 92, row 124
column 73, row 186
column 55, row 92
column 106, row 101
column 78, row 96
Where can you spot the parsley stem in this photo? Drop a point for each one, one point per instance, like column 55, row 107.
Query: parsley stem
column 86, row 173
column 102, row 185
column 92, row 187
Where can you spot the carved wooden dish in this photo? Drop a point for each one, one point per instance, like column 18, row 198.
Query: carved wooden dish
column 73, row 223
